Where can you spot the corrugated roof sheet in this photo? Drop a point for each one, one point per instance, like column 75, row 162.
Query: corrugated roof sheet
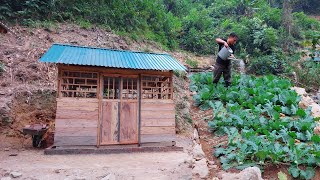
column 91, row 56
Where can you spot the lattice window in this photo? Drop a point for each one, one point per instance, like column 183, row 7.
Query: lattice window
column 79, row 84
column 129, row 88
column 112, row 88
column 156, row 87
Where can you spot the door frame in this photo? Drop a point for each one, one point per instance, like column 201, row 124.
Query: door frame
column 120, row 100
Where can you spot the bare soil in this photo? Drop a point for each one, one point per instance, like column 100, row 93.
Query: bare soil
column 34, row 165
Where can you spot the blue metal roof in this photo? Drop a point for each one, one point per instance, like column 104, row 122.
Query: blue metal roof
column 91, row 56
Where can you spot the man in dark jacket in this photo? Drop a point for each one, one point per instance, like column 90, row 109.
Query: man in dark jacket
column 224, row 66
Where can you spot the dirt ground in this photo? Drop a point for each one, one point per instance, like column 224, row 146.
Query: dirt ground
column 34, row 165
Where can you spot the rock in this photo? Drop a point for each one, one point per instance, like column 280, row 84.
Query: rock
column 305, row 102
column 6, row 149
column 250, row 173
column 316, row 130
column 318, row 95
column 6, row 178
column 15, row 174
column 196, row 136
column 190, row 161
column 79, row 178
column 300, row 91
column 109, row 177
column 185, row 112
column 215, row 178
column 315, row 109
column 198, row 152
column 200, row 168
column 211, row 162
column 213, row 166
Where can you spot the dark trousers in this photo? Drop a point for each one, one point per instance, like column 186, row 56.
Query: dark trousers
column 220, row 69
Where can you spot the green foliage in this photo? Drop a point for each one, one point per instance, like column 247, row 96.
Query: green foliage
column 186, row 24
column 195, row 34
column 180, row 74
column 309, row 73
column 268, row 64
column 84, row 24
column 305, row 22
column 251, row 113
column 192, row 63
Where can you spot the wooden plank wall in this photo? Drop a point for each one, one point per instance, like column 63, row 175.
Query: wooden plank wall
column 76, row 121
column 157, row 121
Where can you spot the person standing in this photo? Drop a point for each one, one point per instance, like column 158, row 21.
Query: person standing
column 224, row 66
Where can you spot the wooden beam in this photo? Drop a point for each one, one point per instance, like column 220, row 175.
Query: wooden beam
column 74, row 140
column 112, row 70
column 158, row 130
column 157, row 138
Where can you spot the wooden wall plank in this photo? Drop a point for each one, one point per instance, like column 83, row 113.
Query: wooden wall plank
column 160, row 114
column 74, row 140
column 145, row 138
column 77, row 115
column 69, row 99
column 157, row 122
column 158, row 130
column 156, row 107
column 84, row 123
column 110, row 124
column 128, row 122
column 76, row 131
column 157, row 101
column 83, row 107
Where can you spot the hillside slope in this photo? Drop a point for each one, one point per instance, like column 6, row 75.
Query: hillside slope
column 28, row 87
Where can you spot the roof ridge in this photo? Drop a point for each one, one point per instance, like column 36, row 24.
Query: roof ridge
column 92, row 47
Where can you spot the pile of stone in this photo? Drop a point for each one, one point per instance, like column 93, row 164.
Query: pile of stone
column 199, row 163
column 305, row 102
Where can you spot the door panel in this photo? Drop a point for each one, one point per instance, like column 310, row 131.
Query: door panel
column 110, row 123
column 128, row 122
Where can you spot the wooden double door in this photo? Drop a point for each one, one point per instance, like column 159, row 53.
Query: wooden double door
column 119, row 105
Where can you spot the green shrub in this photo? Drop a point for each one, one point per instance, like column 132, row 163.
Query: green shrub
column 305, row 22
column 84, row 24
column 308, row 74
column 192, row 63
column 268, row 64
column 180, row 74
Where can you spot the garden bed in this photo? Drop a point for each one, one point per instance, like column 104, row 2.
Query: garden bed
column 264, row 124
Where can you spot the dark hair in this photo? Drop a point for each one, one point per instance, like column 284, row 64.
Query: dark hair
column 233, row 35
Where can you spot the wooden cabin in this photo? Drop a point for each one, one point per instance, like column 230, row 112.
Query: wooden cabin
column 112, row 97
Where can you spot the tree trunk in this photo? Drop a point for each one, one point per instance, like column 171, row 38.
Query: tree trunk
column 287, row 15
column 287, row 20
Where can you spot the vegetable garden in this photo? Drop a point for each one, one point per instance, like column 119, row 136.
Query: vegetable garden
column 263, row 122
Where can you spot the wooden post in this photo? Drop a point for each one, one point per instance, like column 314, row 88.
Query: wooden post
column 139, row 87
column 100, row 97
